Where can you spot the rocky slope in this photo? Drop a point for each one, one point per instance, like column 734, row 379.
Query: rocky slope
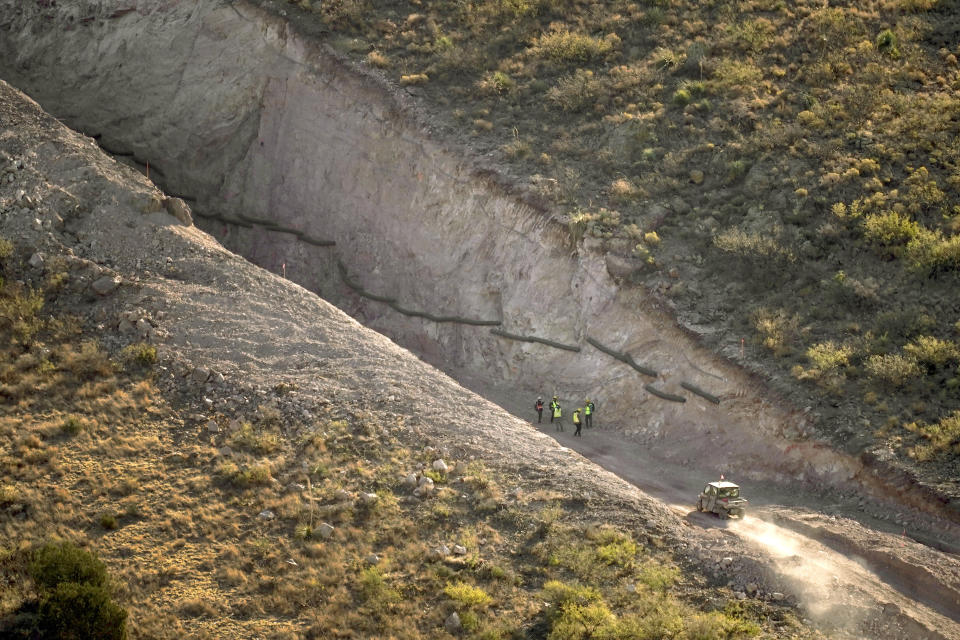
column 255, row 124
column 209, row 310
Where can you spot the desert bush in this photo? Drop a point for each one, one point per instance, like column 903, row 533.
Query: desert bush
column 576, row 91
column 19, row 314
column 932, row 351
column 561, row 595
column 618, row 549
column 250, row 438
column 53, row 564
column 894, row 369
column 377, row 59
column 738, row 76
column 468, row 596
column 72, row 425
column 658, row 577
column 939, row 438
column 889, row 232
column 887, row 43
column 75, row 601
column 828, row 356
column 752, row 35
column 494, row 84
column 567, row 46
column 140, row 353
column 583, row 622
column 752, row 245
column 6, row 249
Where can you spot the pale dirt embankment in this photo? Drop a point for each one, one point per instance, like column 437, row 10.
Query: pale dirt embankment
column 257, row 122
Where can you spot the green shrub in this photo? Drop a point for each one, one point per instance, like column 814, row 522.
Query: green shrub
column 6, row 248
column 72, row 425
column 468, row 596
column 584, row 622
column 886, row 42
column 932, row 352
column 827, row 356
column 681, row 97
column 74, row 611
column 140, row 353
column 109, row 521
column 19, row 311
column 737, row 75
column 53, row 564
column 74, row 592
column 893, row 369
column 889, row 230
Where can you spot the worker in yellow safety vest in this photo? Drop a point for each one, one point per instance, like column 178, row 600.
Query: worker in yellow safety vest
column 553, row 407
column 588, row 411
column 576, row 422
column 557, row 418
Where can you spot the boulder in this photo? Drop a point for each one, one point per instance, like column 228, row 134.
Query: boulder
column 36, row 261
column 440, row 465
column 179, row 210
column 200, row 375
column 452, row 623
column 459, row 550
column 325, row 530
column 212, row 426
column 106, row 285
column 266, row 514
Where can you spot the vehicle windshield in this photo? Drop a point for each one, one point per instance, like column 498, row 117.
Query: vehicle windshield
column 730, row 492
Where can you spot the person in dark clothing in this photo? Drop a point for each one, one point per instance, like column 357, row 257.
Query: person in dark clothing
column 588, row 412
column 539, row 408
column 576, row 422
column 553, row 407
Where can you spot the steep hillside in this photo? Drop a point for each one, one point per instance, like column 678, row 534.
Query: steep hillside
column 250, row 462
column 783, row 174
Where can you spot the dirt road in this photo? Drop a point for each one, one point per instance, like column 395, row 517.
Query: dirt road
column 849, row 573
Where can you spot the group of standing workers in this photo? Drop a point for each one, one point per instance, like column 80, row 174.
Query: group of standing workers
column 556, row 414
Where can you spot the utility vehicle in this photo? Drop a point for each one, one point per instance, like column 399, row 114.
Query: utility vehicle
column 722, row 498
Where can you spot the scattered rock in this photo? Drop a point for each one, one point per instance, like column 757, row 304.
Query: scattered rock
column 725, row 562
column 440, row 465
column 234, row 425
column 776, row 596
column 179, row 210
column 212, row 426
column 340, row 495
column 410, row 481
column 36, row 261
column 225, row 451
column 106, row 285
column 452, row 623
column 373, row 559
column 631, row 588
column 200, row 375
column 297, row 487
column 696, row 176
column 325, row 530
column 266, row 514
column 459, row 550
column 369, row 498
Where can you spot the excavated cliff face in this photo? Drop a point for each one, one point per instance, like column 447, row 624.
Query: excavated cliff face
column 250, row 121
